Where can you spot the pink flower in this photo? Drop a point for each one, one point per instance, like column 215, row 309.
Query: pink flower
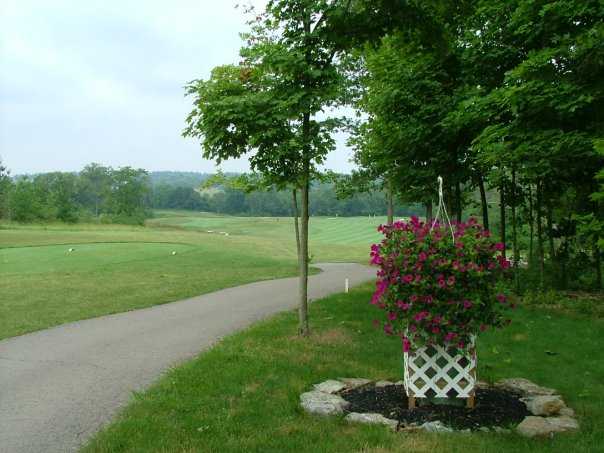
column 406, row 345
column 499, row 246
column 388, row 329
column 435, row 329
column 442, row 283
column 428, row 299
column 412, row 327
column 391, row 316
column 467, row 304
column 460, row 345
column 451, row 280
column 403, row 305
column 450, row 336
column 501, row 298
column 422, row 256
column 413, row 298
column 408, row 278
column 421, row 315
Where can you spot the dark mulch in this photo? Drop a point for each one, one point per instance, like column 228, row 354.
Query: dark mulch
column 494, row 407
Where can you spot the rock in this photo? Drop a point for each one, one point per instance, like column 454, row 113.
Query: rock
column 321, row 403
column 544, row 404
column 484, row 429
column 567, row 411
column 539, row 426
column 373, row 419
column 353, row 383
column 482, row 385
column 524, row 387
column 330, row 386
column 436, row 427
column 383, row 383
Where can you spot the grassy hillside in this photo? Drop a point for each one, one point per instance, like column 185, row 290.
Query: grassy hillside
column 118, row 268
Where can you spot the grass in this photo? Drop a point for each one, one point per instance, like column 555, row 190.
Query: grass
column 242, row 395
column 117, row 268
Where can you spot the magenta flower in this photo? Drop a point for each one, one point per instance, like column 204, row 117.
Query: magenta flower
column 421, row 315
column 467, row 304
column 413, row 298
column 388, row 329
column 499, row 246
column 442, row 283
column 406, row 345
column 451, row 280
column 422, row 256
column 391, row 316
column 501, row 298
column 403, row 305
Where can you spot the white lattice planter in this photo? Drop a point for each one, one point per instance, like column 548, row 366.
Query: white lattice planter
column 437, row 372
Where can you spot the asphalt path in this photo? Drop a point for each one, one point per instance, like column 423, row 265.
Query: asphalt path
column 61, row 385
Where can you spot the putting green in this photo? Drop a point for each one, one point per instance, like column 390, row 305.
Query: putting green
column 58, row 258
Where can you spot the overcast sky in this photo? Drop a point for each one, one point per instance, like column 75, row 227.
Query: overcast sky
column 102, row 81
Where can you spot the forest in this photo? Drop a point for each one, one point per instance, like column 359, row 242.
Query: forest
column 129, row 196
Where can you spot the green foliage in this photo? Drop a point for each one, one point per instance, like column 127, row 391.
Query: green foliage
column 116, row 196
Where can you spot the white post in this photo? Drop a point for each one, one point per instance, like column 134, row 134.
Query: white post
column 346, row 285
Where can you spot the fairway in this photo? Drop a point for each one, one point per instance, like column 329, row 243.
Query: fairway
column 322, row 230
column 116, row 268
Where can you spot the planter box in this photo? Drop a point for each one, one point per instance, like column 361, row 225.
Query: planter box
column 437, row 372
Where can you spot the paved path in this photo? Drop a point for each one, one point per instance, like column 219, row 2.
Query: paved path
column 59, row 386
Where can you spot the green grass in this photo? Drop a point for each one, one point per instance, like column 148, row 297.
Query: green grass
column 117, row 268
column 242, row 395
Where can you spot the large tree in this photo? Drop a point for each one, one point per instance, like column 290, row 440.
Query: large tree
column 271, row 106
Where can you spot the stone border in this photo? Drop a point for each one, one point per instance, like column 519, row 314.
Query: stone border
column 550, row 414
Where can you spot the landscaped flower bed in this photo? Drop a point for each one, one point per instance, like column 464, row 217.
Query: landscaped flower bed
column 439, row 286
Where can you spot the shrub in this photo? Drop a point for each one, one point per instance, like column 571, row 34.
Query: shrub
column 437, row 285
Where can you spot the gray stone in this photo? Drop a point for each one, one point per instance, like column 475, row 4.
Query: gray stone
column 373, row 419
column 353, row 383
column 436, row 427
column 484, row 429
column 524, row 387
column 330, row 386
column 383, row 383
column 544, row 404
column 567, row 411
column 322, row 403
column 540, row 426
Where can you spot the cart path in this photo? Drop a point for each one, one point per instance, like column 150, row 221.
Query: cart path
column 59, row 386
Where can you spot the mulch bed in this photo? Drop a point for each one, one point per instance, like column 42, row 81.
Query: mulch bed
column 494, row 407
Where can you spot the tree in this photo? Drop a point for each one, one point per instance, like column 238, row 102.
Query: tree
column 271, row 105
column 95, row 185
column 129, row 192
column 6, row 186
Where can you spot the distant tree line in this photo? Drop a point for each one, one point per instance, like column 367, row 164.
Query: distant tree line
column 128, row 195
column 96, row 193
column 273, row 202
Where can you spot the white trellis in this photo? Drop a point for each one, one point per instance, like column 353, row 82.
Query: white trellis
column 437, row 372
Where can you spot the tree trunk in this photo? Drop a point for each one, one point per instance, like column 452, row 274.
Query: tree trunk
column 483, row 202
column 598, row 265
column 390, row 220
column 550, row 231
column 515, row 250
column 458, row 207
column 429, row 213
column 540, row 236
column 502, row 220
column 296, row 223
column 531, row 227
column 303, row 328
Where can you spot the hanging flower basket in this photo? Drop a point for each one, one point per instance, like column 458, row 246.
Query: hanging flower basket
column 439, row 372
column 438, row 286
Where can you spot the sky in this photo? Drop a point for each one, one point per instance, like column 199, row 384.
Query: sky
column 102, row 81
